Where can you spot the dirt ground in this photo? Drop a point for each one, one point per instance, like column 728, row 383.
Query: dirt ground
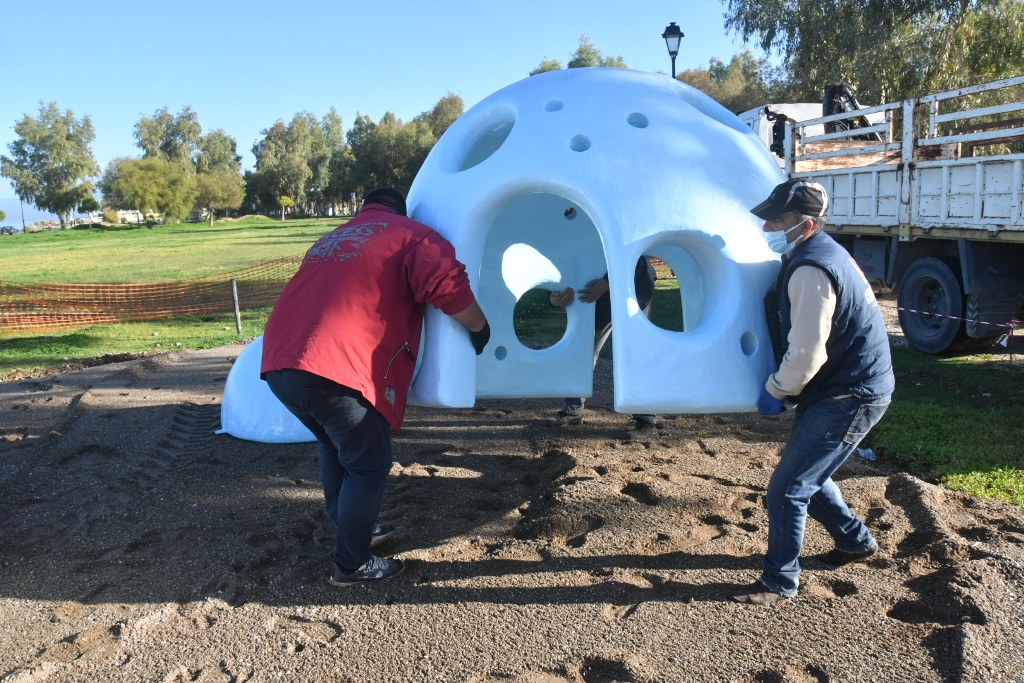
column 137, row 545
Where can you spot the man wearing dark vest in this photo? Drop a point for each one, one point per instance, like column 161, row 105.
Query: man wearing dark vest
column 834, row 364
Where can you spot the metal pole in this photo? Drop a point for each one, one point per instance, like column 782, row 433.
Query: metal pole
column 234, row 299
column 673, row 67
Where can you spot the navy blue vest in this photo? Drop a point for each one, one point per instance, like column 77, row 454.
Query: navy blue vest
column 858, row 346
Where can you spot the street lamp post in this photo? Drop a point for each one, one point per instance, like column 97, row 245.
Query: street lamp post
column 672, row 36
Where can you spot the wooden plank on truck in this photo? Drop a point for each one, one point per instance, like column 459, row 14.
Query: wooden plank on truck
column 845, row 161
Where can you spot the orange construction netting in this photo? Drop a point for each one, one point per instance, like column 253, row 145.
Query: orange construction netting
column 43, row 306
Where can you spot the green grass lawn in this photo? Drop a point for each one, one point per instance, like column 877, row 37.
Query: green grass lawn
column 32, row 352
column 113, row 254
column 955, row 421
column 128, row 253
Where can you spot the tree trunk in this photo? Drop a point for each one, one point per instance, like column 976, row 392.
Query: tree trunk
column 211, row 218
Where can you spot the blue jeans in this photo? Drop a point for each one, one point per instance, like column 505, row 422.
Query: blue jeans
column 354, row 443
column 824, row 435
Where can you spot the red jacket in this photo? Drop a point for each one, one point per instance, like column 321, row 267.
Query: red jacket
column 353, row 312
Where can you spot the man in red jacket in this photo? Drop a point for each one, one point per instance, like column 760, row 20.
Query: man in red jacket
column 339, row 352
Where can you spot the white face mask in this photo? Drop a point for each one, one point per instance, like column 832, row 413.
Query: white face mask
column 777, row 241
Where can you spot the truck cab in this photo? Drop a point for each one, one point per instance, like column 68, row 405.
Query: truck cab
column 768, row 122
column 763, row 121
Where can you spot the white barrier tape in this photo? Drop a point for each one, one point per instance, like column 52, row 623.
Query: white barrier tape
column 1011, row 325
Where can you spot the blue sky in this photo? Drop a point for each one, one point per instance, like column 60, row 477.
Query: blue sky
column 243, row 65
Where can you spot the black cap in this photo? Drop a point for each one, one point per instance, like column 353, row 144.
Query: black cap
column 389, row 197
column 805, row 197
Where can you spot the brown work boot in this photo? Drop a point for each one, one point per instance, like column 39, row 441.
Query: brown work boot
column 756, row 594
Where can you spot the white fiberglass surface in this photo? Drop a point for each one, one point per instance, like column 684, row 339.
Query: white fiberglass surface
column 570, row 175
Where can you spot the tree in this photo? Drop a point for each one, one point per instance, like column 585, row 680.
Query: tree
column 317, row 165
column 738, row 86
column 585, row 55
column 220, row 189
column 254, row 192
column 282, row 160
column 149, row 185
column 340, row 182
column 547, row 65
column 173, row 138
column 218, row 151
column 588, row 55
column 361, row 143
column 326, row 138
column 88, row 205
column 389, row 152
column 51, row 162
column 373, row 165
column 285, row 202
column 3, row 216
column 447, row 110
column 296, row 160
column 333, row 157
column 412, row 144
column 887, row 49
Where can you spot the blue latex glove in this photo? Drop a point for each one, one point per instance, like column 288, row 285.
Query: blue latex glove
column 768, row 404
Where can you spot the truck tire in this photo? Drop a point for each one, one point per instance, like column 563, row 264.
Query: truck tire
column 975, row 309
column 931, row 307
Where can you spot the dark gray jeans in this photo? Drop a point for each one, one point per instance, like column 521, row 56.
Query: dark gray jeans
column 354, row 442
column 602, row 330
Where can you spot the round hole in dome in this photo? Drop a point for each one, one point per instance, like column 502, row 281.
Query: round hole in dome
column 537, row 323
column 500, row 353
column 748, row 343
column 553, row 105
column 488, row 137
column 579, row 143
column 679, row 292
column 569, row 213
column 637, row 120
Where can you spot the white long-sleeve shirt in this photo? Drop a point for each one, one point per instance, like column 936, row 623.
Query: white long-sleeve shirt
column 812, row 305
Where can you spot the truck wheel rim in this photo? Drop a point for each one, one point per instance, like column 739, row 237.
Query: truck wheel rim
column 931, row 301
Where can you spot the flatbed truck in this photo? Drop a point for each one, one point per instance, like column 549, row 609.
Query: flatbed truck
column 927, row 194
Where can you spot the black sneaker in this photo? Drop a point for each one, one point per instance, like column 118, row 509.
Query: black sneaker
column 375, row 569
column 562, row 419
column 381, row 533
column 644, row 431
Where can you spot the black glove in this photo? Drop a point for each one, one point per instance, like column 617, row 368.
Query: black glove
column 480, row 338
